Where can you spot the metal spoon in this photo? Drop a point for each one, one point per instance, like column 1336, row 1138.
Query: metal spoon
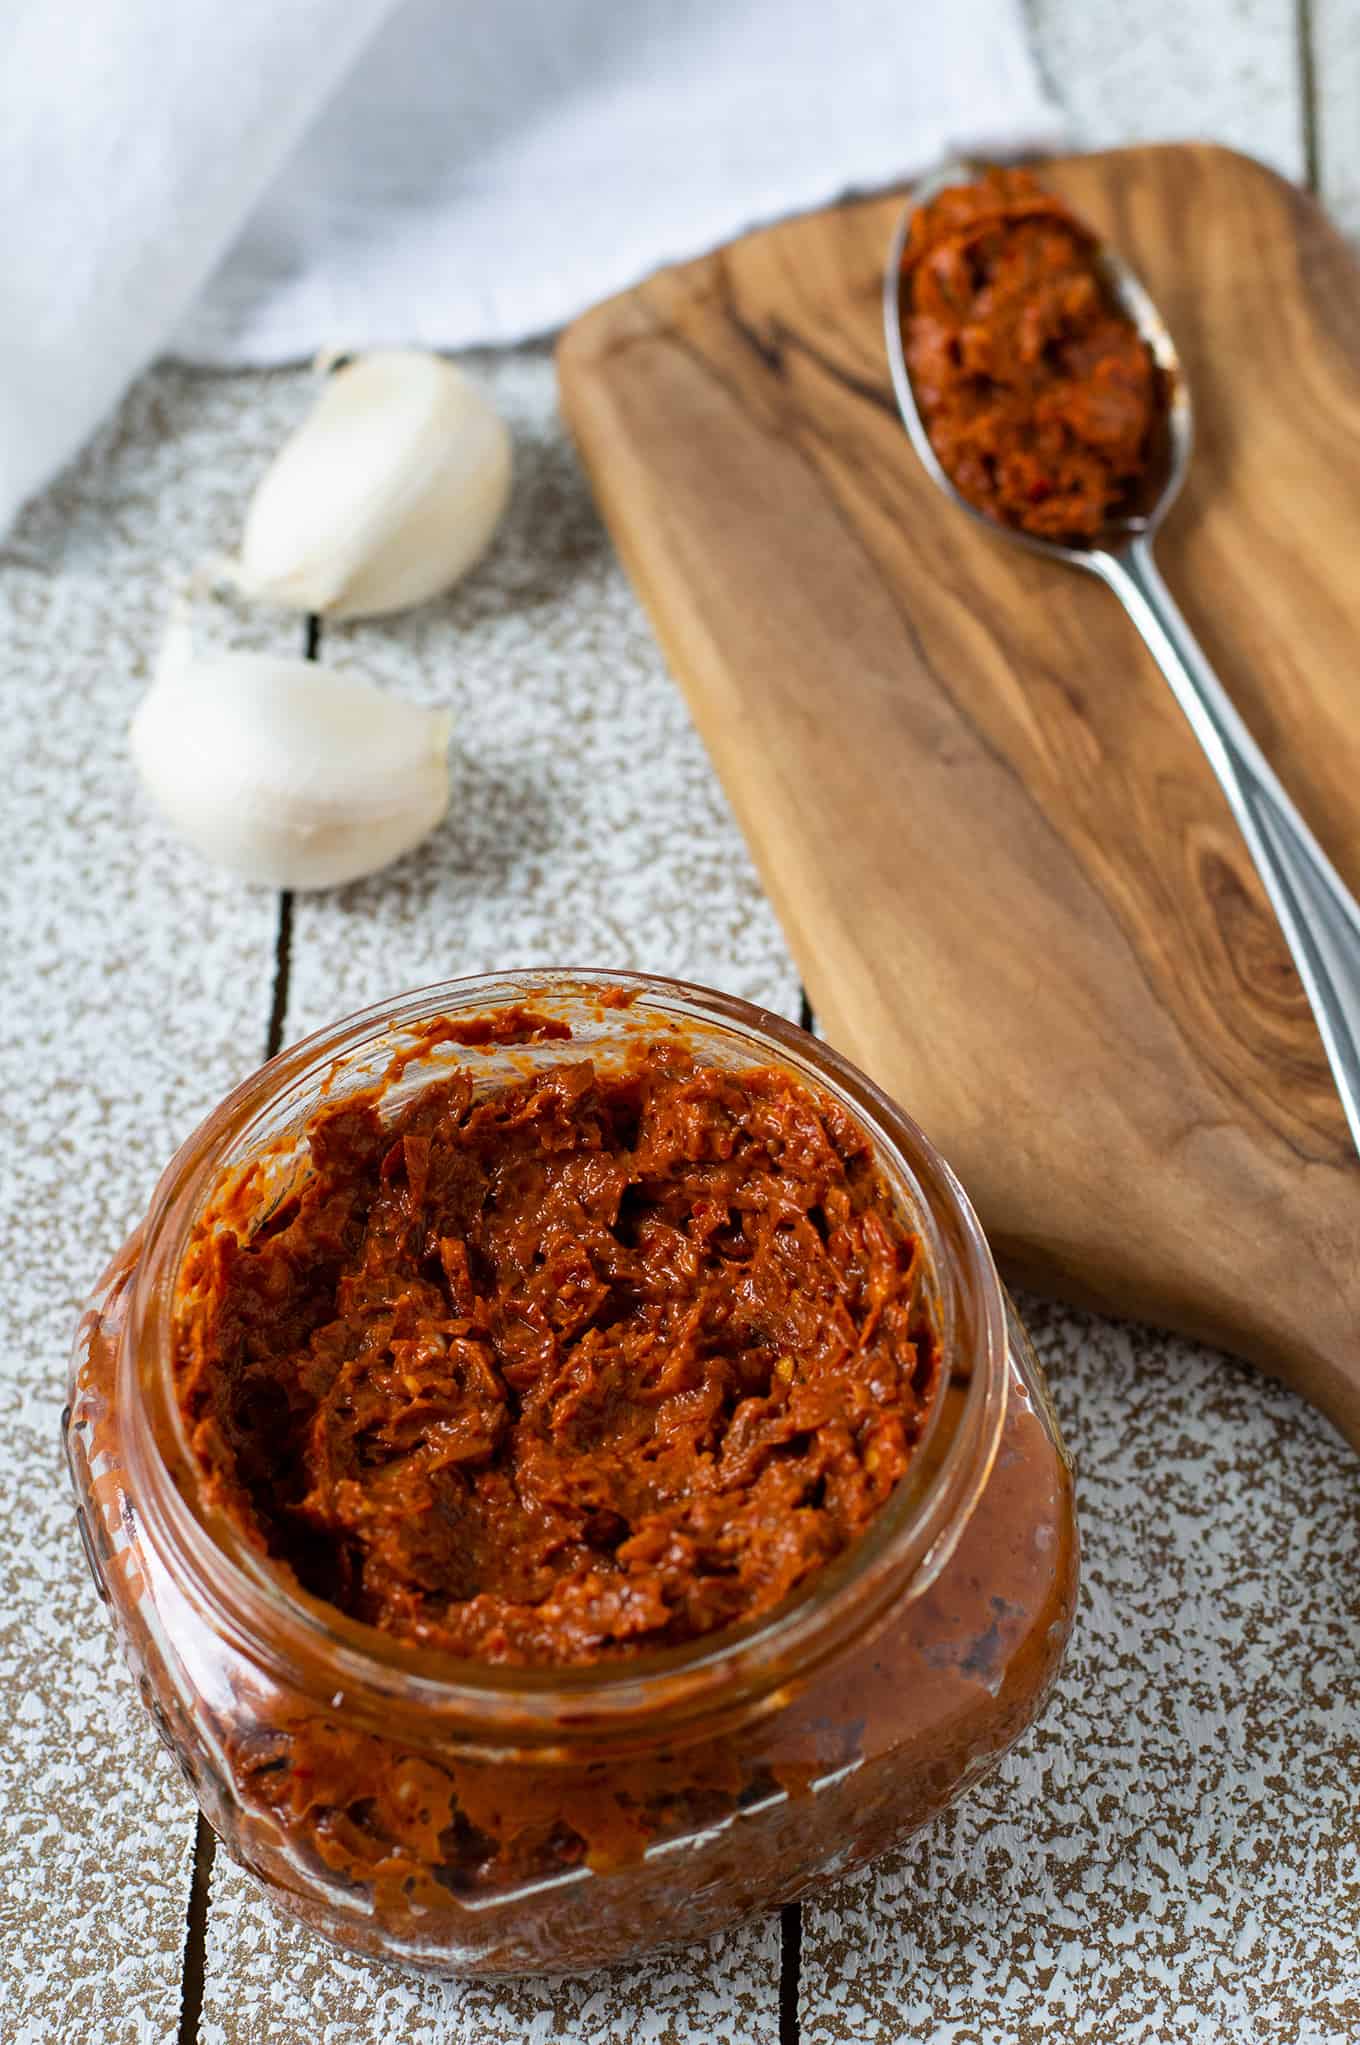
column 1318, row 914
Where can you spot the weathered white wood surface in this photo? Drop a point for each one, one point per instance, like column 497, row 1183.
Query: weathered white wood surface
column 132, row 987
column 1173, row 1854
column 1178, row 71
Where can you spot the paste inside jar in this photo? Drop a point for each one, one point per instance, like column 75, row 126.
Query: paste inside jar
column 596, row 1361
column 1039, row 395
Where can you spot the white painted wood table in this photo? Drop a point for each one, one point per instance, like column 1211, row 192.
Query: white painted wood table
column 1175, row 1853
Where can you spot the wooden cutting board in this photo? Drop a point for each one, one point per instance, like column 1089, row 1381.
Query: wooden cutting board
column 1010, row 881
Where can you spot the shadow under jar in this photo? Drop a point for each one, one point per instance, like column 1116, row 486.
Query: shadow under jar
column 476, row 1817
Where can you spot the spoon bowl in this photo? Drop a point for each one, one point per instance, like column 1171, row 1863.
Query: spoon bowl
column 1133, row 299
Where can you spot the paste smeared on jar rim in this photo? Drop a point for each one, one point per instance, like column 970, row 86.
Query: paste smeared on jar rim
column 599, row 1360
column 1040, row 397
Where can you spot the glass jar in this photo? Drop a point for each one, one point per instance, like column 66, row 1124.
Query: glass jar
column 473, row 1818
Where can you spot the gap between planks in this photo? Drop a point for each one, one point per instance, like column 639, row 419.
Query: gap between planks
column 193, row 1964
column 1308, row 108
column 791, row 1916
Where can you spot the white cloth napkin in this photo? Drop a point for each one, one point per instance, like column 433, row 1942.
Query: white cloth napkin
column 242, row 181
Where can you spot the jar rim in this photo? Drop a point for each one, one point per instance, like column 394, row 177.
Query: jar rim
column 908, row 1541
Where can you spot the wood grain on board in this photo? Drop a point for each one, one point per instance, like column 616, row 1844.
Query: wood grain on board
column 1012, row 885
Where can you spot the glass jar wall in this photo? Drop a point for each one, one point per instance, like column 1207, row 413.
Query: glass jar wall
column 501, row 1819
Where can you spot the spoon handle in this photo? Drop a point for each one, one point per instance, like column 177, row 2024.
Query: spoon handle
column 1318, row 914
